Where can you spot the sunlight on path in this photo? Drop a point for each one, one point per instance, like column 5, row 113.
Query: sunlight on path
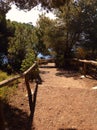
column 64, row 101
column 62, row 78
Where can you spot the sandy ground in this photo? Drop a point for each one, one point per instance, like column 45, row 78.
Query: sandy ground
column 64, row 101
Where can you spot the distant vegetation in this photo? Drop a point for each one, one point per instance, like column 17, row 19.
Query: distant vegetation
column 72, row 34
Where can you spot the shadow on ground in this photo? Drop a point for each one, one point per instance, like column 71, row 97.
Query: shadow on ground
column 67, row 129
column 16, row 118
column 46, row 66
column 67, row 73
column 44, row 72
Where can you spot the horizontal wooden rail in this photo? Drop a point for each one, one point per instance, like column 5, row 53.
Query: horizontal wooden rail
column 7, row 81
column 45, row 61
column 87, row 61
column 88, row 67
column 30, row 69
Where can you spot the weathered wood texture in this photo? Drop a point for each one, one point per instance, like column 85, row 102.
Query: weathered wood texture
column 6, row 82
column 88, row 67
column 2, row 121
column 87, row 61
column 27, row 72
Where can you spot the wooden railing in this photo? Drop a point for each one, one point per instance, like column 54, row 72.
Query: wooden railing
column 45, row 61
column 87, row 67
column 27, row 72
column 7, row 81
column 84, row 64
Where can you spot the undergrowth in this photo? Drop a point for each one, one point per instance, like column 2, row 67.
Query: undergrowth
column 3, row 76
column 9, row 90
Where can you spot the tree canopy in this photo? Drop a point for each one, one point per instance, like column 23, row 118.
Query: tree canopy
column 21, row 45
column 28, row 4
column 72, row 34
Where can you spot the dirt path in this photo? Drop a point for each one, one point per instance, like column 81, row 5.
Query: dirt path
column 65, row 102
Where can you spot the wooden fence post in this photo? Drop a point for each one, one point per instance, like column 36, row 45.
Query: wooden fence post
column 29, row 93
column 84, row 69
column 2, row 126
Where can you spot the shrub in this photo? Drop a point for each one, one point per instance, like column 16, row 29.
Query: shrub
column 28, row 61
column 3, row 76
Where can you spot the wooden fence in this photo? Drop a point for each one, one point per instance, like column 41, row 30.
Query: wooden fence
column 85, row 64
column 25, row 75
column 86, row 67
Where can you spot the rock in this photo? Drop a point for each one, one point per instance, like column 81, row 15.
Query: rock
column 82, row 77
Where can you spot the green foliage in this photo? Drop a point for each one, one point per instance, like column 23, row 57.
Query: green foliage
column 29, row 4
column 7, row 91
column 59, row 61
column 81, row 53
column 3, row 33
column 84, row 23
column 79, row 23
column 28, row 61
column 3, row 76
column 21, row 45
column 57, row 37
column 76, row 23
column 42, row 27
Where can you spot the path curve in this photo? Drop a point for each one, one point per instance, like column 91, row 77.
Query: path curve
column 65, row 101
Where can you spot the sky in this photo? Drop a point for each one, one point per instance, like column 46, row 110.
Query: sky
column 25, row 17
